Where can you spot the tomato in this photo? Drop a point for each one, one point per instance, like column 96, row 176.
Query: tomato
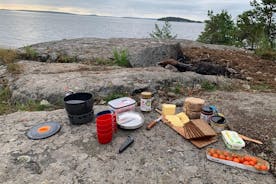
column 236, row 160
column 254, row 160
column 212, row 151
column 222, row 156
column 241, row 159
column 258, row 167
column 218, row 152
column 247, row 158
column 252, row 163
column 215, row 155
column 225, row 153
column 264, row 167
column 229, row 158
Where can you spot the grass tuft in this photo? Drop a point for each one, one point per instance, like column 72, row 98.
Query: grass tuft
column 121, row 57
column 209, row 86
column 113, row 96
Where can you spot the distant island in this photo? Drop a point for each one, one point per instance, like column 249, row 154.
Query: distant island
column 178, row 19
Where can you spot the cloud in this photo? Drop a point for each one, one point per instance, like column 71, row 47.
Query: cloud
column 196, row 9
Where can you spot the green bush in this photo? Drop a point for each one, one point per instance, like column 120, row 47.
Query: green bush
column 30, row 53
column 220, row 29
column 209, row 86
column 8, row 57
column 162, row 33
column 114, row 95
column 121, row 57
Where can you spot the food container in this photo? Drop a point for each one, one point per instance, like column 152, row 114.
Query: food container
column 206, row 113
column 130, row 120
column 232, row 140
column 145, row 102
column 123, row 104
column 238, row 160
column 218, row 123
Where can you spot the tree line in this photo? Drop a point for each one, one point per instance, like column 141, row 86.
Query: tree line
column 254, row 29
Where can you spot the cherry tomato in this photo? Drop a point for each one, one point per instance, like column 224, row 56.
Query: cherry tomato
column 263, row 167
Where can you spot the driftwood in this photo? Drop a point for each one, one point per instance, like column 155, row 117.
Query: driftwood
column 204, row 67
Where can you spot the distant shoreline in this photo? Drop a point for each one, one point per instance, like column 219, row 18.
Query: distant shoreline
column 178, row 19
column 173, row 19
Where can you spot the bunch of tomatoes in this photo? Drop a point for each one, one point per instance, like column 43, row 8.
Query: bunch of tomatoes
column 246, row 159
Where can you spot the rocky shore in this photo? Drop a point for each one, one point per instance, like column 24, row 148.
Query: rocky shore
column 157, row 156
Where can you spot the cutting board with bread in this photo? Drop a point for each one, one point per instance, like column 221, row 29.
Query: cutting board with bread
column 199, row 132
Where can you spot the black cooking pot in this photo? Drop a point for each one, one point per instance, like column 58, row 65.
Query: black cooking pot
column 79, row 103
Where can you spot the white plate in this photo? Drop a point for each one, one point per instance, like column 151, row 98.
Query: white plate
column 130, row 120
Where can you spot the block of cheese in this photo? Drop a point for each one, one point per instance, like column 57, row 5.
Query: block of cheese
column 193, row 104
column 183, row 117
column 168, row 109
column 175, row 120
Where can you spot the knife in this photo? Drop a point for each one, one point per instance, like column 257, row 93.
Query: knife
column 153, row 123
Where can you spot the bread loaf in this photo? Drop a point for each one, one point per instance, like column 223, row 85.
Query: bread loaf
column 193, row 104
column 192, row 115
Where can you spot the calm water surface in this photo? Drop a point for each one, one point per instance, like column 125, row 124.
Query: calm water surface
column 18, row 28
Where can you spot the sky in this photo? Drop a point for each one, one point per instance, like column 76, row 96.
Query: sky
column 191, row 9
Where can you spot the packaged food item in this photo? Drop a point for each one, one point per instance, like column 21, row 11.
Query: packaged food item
column 168, row 109
column 232, row 140
column 242, row 161
column 218, row 123
column 145, row 102
column 123, row 104
column 206, row 113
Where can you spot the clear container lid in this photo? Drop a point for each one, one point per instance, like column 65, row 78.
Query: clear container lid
column 233, row 138
column 121, row 102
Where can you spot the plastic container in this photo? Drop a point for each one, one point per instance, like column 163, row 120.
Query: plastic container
column 232, row 140
column 114, row 118
column 105, row 119
column 206, row 113
column 130, row 120
column 218, row 123
column 238, row 165
column 123, row 104
column 145, row 102
column 104, row 138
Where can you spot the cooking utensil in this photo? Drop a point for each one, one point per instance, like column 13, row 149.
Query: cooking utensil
column 153, row 123
column 250, row 139
column 157, row 110
column 126, row 144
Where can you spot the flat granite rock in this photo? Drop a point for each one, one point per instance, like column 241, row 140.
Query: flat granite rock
column 74, row 156
column 48, row 81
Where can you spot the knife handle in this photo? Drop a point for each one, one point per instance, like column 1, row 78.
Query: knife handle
column 151, row 124
column 126, row 144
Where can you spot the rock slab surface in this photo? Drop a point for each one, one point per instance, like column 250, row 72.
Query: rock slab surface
column 74, row 155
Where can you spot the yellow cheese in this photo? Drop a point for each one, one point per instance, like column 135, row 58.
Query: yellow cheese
column 183, row 117
column 173, row 119
column 168, row 109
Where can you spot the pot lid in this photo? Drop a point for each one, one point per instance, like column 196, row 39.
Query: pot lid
column 43, row 130
column 130, row 120
column 207, row 109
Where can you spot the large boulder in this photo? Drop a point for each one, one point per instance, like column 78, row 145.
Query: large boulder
column 48, row 81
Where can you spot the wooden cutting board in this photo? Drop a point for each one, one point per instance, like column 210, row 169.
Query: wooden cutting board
column 202, row 142
column 199, row 143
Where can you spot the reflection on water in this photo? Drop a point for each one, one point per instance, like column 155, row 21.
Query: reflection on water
column 18, row 29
